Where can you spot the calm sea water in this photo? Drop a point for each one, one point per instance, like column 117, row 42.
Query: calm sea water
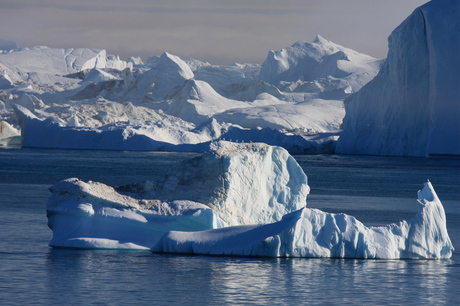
column 374, row 189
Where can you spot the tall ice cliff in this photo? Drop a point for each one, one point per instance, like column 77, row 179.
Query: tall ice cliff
column 412, row 106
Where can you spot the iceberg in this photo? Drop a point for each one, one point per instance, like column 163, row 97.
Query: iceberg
column 236, row 199
column 232, row 184
column 319, row 60
column 322, row 115
column 136, row 128
column 44, row 66
column 412, row 107
column 9, row 136
column 108, row 103
column 5, row 80
column 198, row 101
column 93, row 215
column 313, row 233
column 97, row 75
column 164, row 79
column 127, row 135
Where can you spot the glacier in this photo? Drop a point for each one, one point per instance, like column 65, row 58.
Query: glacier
column 412, row 107
column 236, row 199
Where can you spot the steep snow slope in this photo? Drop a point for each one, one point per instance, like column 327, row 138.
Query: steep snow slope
column 198, row 101
column 165, row 79
column 320, row 59
column 412, row 107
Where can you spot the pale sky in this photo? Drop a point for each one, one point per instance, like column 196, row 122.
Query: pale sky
column 220, row 32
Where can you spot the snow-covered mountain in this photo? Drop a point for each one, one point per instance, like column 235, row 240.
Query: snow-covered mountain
column 412, row 107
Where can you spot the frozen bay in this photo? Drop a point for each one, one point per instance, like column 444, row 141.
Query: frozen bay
column 376, row 190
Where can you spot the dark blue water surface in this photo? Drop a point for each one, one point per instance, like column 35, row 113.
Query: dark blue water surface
column 377, row 190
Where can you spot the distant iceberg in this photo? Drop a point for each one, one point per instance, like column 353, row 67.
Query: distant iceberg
column 101, row 102
column 320, row 61
column 237, row 199
column 9, row 136
column 44, row 66
column 161, row 133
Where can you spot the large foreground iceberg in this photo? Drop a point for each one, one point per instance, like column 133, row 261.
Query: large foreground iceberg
column 412, row 107
column 232, row 184
column 313, row 233
column 237, row 199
